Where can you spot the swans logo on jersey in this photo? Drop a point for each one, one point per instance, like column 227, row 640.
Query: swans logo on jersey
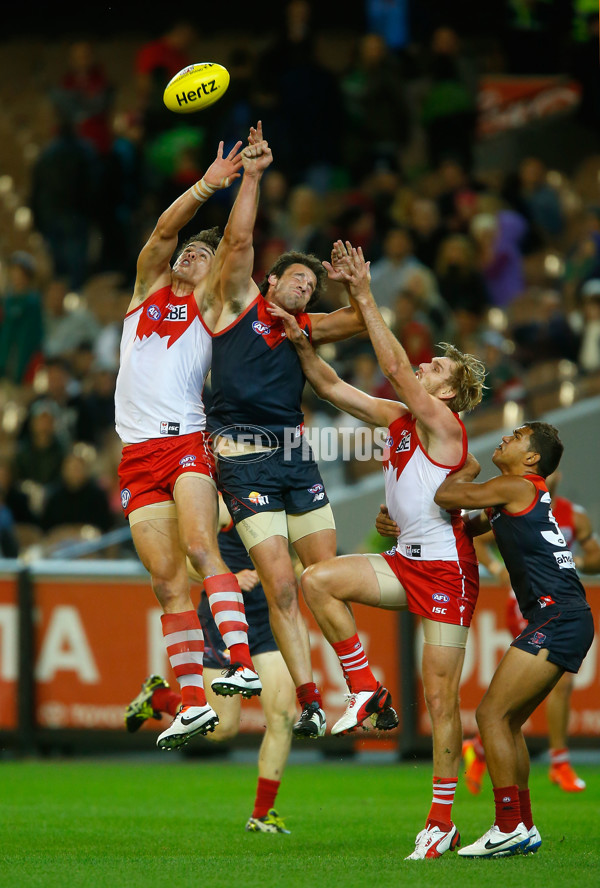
column 413, row 550
column 189, row 460
column 404, row 443
column 177, row 312
column 125, row 497
column 537, row 639
column 564, row 560
column 257, row 498
column 169, row 428
column 260, row 328
column 153, row 312
column 439, row 596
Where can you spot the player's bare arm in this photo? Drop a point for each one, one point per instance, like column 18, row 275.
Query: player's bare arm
column 237, row 285
column 345, row 322
column 153, row 266
column 328, row 385
column 588, row 561
column 459, row 490
column 436, row 424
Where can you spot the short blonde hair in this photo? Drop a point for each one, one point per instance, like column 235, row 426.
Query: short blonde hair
column 467, row 378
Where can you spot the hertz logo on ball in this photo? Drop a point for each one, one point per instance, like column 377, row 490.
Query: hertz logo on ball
column 196, row 87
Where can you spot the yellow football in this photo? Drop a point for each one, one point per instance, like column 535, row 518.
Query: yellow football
column 195, row 87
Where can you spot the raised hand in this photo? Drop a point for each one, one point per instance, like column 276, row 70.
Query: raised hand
column 256, row 134
column 356, row 271
column 293, row 331
column 256, row 157
column 335, row 268
column 224, row 170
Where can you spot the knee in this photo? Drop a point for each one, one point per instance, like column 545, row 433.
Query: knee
column 225, row 730
column 312, row 583
column 284, row 594
column 442, row 705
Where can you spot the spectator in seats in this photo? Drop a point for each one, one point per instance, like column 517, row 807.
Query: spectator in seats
column 503, row 378
column 21, row 321
column 67, row 323
column 9, row 546
column 589, row 350
column 448, row 107
column 378, row 122
column 14, row 498
column 155, row 64
column 582, row 260
column 546, row 335
column 462, row 286
column 426, row 230
column 85, row 96
column 64, row 190
column 122, row 187
column 306, row 222
column 76, row 498
column 58, row 387
column 498, row 237
column 388, row 274
column 98, row 405
column 292, row 84
column 422, row 285
column 530, row 194
column 40, row 453
column 458, row 195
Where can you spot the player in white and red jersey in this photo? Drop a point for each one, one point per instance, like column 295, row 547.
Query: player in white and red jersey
column 433, row 570
column 577, row 531
column 167, row 470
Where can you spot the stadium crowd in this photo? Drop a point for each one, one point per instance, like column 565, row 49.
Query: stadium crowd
column 382, row 149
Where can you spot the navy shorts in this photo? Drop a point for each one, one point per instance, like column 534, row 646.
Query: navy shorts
column 260, row 637
column 567, row 636
column 287, row 479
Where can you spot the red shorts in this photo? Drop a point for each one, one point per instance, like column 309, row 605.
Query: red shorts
column 148, row 471
column 444, row 591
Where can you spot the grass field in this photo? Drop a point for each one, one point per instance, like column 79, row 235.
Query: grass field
column 172, row 822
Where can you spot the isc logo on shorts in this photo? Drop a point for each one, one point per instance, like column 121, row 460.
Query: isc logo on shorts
column 169, row 428
column 125, row 497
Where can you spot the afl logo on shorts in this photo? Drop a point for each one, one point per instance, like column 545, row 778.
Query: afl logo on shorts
column 153, row 312
column 260, row 328
column 125, row 497
column 189, row 460
column 316, row 488
column 439, row 596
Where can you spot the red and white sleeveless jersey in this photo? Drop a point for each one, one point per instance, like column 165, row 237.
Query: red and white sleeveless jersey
column 564, row 512
column 412, row 478
column 166, row 350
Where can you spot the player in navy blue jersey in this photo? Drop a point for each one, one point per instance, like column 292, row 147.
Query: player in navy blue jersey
column 267, row 474
column 559, row 629
column 277, row 698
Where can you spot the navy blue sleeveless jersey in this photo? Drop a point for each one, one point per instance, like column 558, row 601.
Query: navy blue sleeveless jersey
column 541, row 567
column 256, row 377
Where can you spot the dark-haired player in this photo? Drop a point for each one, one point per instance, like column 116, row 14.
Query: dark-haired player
column 167, row 471
column 267, row 474
column 559, row 628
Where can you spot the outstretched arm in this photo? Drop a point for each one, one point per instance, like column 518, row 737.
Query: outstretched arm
column 459, row 490
column 328, row 385
column 237, row 249
column 393, row 360
column 345, row 322
column 153, row 261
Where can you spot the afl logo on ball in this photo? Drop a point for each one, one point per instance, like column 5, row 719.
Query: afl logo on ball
column 125, row 497
column 260, row 328
column 153, row 312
